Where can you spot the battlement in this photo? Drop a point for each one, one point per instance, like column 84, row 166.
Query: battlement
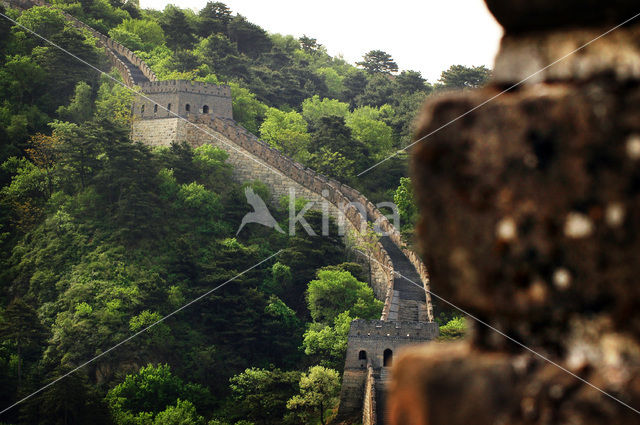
column 184, row 86
column 372, row 329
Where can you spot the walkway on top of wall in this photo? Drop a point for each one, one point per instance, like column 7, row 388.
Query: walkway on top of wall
column 136, row 73
column 408, row 303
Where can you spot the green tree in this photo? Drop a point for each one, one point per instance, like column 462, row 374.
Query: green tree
column 367, row 126
column 408, row 82
column 367, row 242
column 21, row 79
column 43, row 151
column 222, row 56
column 309, row 44
column 213, row 18
column 314, row 109
column 148, row 33
column 286, row 131
column 355, row 83
column 183, row 413
column 250, row 38
column 464, row 77
column 72, row 401
column 453, row 329
column 378, row 91
column 377, row 61
column 328, row 343
column 318, row 390
column 152, row 390
column 404, row 200
column 20, row 325
column 262, row 394
column 335, row 291
column 334, row 152
column 333, row 80
column 247, row 110
column 177, row 28
column 80, row 109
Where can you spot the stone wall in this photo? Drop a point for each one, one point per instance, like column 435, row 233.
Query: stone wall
column 158, row 132
column 254, row 160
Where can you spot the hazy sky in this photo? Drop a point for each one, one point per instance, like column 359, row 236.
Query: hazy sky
column 427, row 36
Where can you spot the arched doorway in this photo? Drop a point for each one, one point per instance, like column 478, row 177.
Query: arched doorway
column 205, row 109
column 387, row 358
column 362, row 358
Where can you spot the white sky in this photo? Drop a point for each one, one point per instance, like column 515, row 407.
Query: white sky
column 427, row 36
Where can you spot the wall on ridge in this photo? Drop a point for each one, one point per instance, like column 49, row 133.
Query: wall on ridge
column 254, row 160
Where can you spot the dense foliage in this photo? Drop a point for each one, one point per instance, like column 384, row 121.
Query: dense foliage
column 100, row 238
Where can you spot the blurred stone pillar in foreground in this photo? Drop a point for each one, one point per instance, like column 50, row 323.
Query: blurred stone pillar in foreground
column 530, row 220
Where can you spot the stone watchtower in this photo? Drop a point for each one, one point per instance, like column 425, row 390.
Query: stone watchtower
column 155, row 121
column 371, row 346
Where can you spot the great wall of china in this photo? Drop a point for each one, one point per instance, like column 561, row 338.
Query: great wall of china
column 198, row 113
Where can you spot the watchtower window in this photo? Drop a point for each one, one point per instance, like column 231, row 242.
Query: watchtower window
column 187, row 107
column 205, row 109
column 169, row 107
column 142, row 110
column 362, row 355
column 155, row 109
column 388, row 357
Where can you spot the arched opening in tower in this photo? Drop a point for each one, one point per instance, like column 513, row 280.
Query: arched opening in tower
column 205, row 109
column 387, row 358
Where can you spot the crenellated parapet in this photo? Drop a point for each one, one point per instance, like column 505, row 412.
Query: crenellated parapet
column 194, row 87
column 369, row 408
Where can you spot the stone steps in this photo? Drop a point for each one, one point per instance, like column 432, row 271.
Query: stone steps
column 136, row 73
column 381, row 395
column 408, row 303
